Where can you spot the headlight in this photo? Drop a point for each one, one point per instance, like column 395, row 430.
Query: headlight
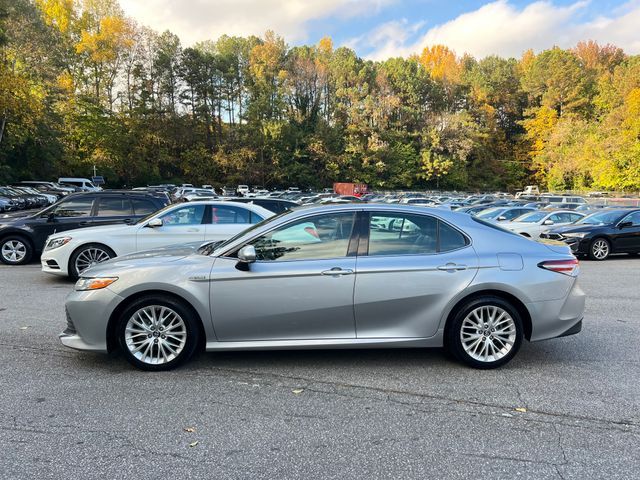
column 94, row 283
column 57, row 242
column 575, row 235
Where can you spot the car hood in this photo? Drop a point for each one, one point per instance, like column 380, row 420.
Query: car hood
column 147, row 258
column 97, row 232
column 576, row 228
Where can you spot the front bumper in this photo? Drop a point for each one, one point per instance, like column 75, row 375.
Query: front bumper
column 88, row 315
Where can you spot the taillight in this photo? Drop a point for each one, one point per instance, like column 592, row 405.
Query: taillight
column 566, row 267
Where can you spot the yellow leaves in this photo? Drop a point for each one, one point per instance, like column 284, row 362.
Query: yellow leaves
column 59, row 13
column 325, row 45
column 105, row 44
column 539, row 127
column 65, row 82
column 442, row 63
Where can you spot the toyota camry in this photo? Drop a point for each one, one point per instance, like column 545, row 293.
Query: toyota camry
column 329, row 277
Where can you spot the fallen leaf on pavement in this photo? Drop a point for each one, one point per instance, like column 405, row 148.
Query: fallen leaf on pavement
column 193, row 444
column 521, row 409
column 297, row 391
column 189, row 429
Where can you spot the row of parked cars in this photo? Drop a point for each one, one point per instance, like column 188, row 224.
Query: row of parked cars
column 231, row 273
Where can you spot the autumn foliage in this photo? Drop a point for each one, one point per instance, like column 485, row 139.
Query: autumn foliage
column 81, row 85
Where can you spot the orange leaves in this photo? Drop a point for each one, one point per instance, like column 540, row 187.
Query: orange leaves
column 442, row 63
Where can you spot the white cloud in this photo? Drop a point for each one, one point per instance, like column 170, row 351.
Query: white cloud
column 501, row 28
column 196, row 20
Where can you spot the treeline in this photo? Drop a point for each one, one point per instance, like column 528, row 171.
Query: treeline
column 81, row 85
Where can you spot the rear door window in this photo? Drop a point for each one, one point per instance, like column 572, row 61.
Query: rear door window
column 114, row 207
column 143, row 206
column 400, row 234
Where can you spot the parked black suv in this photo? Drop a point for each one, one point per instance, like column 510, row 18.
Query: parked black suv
column 602, row 233
column 23, row 237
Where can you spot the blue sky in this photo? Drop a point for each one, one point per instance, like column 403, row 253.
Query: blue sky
column 382, row 28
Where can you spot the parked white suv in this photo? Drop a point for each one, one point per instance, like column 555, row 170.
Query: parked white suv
column 84, row 183
column 562, row 199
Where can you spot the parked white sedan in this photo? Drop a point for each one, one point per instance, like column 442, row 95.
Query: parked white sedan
column 72, row 252
column 533, row 224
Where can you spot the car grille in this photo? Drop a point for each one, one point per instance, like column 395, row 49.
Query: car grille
column 71, row 328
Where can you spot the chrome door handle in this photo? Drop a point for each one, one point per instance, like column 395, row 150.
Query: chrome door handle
column 452, row 266
column 337, row 271
column 193, row 230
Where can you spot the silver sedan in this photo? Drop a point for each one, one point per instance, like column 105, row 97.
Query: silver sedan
column 338, row 276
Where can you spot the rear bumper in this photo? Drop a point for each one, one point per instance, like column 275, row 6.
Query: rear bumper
column 558, row 318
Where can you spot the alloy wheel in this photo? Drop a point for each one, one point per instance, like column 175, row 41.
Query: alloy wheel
column 488, row 333
column 155, row 335
column 600, row 249
column 14, row 251
column 90, row 257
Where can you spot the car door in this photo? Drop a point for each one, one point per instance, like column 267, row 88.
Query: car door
column 225, row 221
column 299, row 288
column 406, row 276
column 183, row 224
column 626, row 237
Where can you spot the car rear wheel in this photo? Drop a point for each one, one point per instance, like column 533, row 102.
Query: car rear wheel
column 157, row 333
column 485, row 333
column 87, row 256
column 600, row 249
column 15, row 250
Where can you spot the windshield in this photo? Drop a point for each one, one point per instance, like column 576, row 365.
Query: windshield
column 601, row 218
column 531, row 217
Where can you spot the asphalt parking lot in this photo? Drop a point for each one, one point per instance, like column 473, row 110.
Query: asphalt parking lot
column 322, row 414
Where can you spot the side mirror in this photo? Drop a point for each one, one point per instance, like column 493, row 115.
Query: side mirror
column 625, row 225
column 247, row 254
column 51, row 217
column 155, row 223
column 548, row 222
column 501, row 218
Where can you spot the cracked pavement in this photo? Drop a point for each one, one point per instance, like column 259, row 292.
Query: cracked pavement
column 361, row 413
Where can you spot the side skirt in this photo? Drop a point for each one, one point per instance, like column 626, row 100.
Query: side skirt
column 330, row 343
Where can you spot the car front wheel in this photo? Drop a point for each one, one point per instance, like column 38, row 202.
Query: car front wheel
column 87, row 256
column 15, row 250
column 600, row 249
column 485, row 333
column 157, row 333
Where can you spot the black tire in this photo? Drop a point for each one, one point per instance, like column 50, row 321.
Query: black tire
column 15, row 244
column 600, row 249
column 191, row 328
column 73, row 271
column 453, row 341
